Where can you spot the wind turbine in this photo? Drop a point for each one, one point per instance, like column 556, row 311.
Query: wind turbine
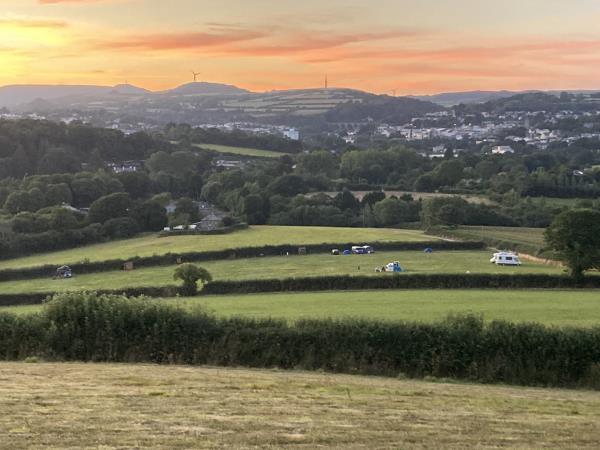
column 195, row 75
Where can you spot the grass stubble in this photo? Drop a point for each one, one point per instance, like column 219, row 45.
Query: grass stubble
column 75, row 405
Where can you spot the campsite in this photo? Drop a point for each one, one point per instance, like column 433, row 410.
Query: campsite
column 299, row 225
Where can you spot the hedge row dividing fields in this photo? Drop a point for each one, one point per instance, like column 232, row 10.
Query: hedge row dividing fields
column 343, row 283
column 89, row 327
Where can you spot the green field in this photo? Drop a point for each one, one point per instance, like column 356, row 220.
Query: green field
column 286, row 267
column 524, row 237
column 242, row 151
column 254, row 236
column 550, row 307
column 109, row 406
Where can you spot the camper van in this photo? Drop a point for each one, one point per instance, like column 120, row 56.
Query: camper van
column 505, row 259
column 362, row 250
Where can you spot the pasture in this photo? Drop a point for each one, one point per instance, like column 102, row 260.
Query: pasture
column 531, row 239
column 254, row 236
column 580, row 308
column 240, row 151
column 278, row 267
column 66, row 405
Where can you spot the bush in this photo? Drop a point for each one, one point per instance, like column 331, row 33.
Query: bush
column 400, row 281
column 92, row 327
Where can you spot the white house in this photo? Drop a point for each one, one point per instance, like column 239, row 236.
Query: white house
column 502, row 150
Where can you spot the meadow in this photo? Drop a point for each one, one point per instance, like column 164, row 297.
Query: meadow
column 278, row 267
column 579, row 308
column 254, row 236
column 240, row 151
column 531, row 239
column 73, row 405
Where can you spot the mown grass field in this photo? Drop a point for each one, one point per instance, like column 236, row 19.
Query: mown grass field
column 580, row 308
column 528, row 237
column 64, row 405
column 241, row 151
column 254, row 236
column 286, row 267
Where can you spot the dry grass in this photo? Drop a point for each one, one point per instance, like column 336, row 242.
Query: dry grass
column 141, row 406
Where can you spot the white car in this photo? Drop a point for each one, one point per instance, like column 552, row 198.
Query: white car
column 506, row 259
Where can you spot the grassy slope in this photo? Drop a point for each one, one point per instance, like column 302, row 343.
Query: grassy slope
column 521, row 237
column 285, row 267
column 142, row 406
column 563, row 308
column 252, row 237
column 243, row 151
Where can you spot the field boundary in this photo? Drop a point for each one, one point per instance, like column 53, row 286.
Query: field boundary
column 505, row 244
column 400, row 282
column 338, row 283
column 90, row 327
column 167, row 259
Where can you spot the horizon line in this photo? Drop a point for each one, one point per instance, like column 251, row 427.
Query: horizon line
column 499, row 90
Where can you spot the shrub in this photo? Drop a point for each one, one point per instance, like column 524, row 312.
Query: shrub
column 93, row 327
column 190, row 274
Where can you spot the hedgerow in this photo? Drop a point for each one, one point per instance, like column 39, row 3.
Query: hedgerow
column 109, row 328
column 345, row 283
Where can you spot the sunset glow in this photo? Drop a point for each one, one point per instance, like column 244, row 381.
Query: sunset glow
column 407, row 46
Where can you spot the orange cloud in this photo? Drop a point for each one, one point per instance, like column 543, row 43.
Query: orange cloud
column 177, row 41
column 50, row 2
column 33, row 23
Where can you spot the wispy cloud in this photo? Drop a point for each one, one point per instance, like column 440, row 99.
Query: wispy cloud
column 50, row 2
column 177, row 41
column 32, row 23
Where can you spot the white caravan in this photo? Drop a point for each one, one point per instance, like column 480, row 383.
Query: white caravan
column 506, row 259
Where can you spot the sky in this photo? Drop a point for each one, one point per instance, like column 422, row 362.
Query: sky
column 381, row 46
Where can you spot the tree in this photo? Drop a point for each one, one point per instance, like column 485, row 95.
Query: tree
column 450, row 211
column 449, row 173
column 120, row 228
column 190, row 274
column 187, row 206
column 150, row 216
column 256, row 209
column 575, row 237
column 288, row 185
column 318, row 162
column 346, row 200
column 18, row 201
column 370, row 198
column 56, row 194
column 109, row 207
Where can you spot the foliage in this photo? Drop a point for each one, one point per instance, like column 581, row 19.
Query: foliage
column 190, row 275
column 109, row 207
column 92, row 327
column 575, row 237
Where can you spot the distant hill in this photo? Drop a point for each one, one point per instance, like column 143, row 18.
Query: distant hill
column 381, row 108
column 536, row 101
column 474, row 97
column 129, row 89
column 204, row 88
column 456, row 98
column 14, row 95
column 202, row 102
